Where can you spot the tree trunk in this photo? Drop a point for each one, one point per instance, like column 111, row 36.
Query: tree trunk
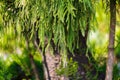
column 110, row 60
column 53, row 62
column 45, row 66
column 35, row 71
column 34, row 67
column 44, row 62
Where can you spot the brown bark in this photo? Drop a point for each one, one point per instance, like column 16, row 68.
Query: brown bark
column 50, row 64
column 53, row 63
column 45, row 66
column 110, row 60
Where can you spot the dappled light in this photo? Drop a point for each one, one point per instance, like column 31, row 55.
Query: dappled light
column 59, row 39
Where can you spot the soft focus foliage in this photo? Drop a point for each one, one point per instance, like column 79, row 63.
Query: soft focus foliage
column 60, row 21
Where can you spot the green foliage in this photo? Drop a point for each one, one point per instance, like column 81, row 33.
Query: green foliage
column 63, row 19
column 96, row 72
column 40, row 69
column 117, row 48
column 15, row 70
column 60, row 21
column 7, row 40
column 4, row 73
column 57, row 20
column 70, row 70
column 23, row 61
column 116, row 70
column 116, row 73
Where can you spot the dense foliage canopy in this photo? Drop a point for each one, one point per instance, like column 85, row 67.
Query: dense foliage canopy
column 73, row 34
